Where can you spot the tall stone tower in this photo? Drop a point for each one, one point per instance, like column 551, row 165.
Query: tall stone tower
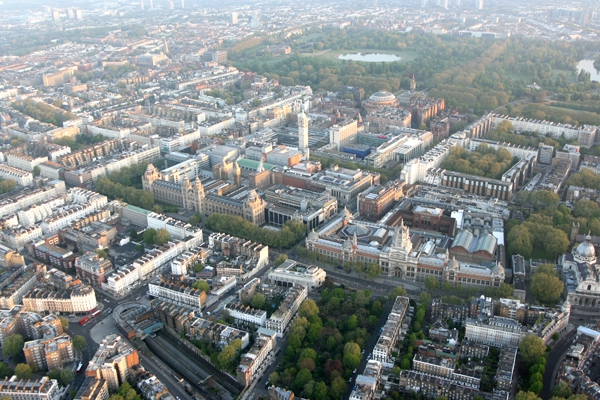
column 237, row 175
column 149, row 177
column 303, row 134
column 253, row 209
column 193, row 195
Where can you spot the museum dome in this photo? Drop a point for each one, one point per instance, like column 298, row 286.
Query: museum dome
column 498, row 269
column 586, row 250
column 313, row 236
column 359, row 230
column 382, row 97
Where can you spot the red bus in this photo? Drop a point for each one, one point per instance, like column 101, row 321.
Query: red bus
column 79, row 368
column 96, row 313
column 84, row 320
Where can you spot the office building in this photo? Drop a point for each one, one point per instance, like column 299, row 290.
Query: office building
column 344, row 132
column 290, row 273
column 49, row 354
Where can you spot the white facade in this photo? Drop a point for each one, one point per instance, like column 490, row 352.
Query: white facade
column 281, row 319
column 246, row 314
column 152, row 262
column 498, row 331
column 182, row 296
column 343, row 134
column 79, row 300
column 10, row 206
column 17, row 238
column 416, row 169
column 21, row 177
column 122, row 281
column 17, row 389
column 290, row 273
column 24, row 162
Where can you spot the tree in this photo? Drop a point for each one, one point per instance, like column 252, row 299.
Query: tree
column 23, row 371
column 66, row 376
column 308, row 308
column 405, row 363
column 561, row 390
column 149, row 235
column 531, row 348
column 302, row 378
column 258, row 300
column 64, row 322
column 373, row 271
column 274, row 378
column 36, row 171
column 162, row 236
column 546, row 289
column 13, row 345
column 526, row 396
column 398, row 291
column 338, row 388
column 520, row 241
column 79, row 342
column 5, row 370
column 320, row 392
column 198, row 267
column 424, row 298
column 432, row 283
column 280, row 259
column 102, row 253
column 556, row 241
column 201, row 284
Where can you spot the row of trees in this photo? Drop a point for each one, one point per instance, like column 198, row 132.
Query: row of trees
column 225, row 359
column 136, row 197
column 533, row 351
column 43, row 112
column 291, row 233
column 585, row 178
column 7, row 185
column 484, row 161
column 80, row 141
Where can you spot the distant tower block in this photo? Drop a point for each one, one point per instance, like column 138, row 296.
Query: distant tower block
column 234, row 18
column 303, row 134
column 152, row 4
column 166, row 46
column 142, row 5
column 182, row 3
column 413, row 84
column 171, row 5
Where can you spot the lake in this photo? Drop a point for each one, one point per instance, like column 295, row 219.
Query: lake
column 370, row 57
column 588, row 65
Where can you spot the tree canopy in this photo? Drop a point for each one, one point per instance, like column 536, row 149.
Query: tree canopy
column 532, row 348
column 546, row 286
column 13, row 345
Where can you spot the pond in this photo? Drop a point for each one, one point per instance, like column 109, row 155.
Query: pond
column 588, row 65
column 370, row 57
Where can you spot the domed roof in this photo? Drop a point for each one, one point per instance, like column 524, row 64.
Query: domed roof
column 359, row 230
column 382, row 97
column 498, row 269
column 453, row 264
column 313, row 236
column 586, row 250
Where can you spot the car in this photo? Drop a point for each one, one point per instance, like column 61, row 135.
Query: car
column 354, row 371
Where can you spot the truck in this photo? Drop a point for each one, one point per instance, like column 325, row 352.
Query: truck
column 84, row 320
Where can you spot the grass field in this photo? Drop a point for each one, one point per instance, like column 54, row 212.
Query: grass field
column 406, row 55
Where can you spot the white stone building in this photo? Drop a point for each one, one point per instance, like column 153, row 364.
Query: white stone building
column 30, row 389
column 290, row 273
column 281, row 319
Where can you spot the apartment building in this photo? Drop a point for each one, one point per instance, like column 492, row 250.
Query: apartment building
column 93, row 389
column 18, row 237
column 10, row 204
column 382, row 351
column 21, row 177
column 247, row 370
column 246, row 314
column 281, row 319
column 93, row 269
column 49, row 354
column 113, row 362
column 14, row 284
column 30, row 389
column 496, row 331
column 78, row 299
column 178, row 293
column 122, row 281
column 28, row 324
column 343, row 132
